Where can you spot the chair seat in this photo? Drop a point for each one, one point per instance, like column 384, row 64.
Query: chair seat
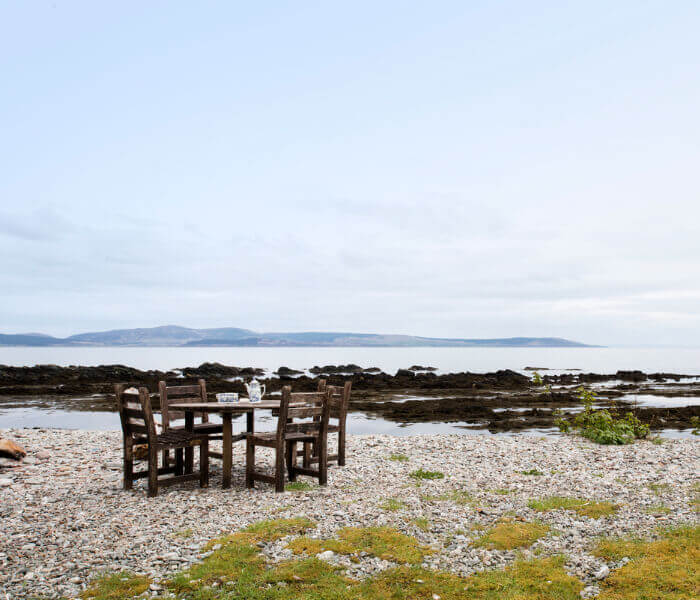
column 173, row 437
column 201, row 428
column 290, row 436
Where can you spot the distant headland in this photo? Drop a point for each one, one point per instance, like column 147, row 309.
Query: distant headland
column 176, row 336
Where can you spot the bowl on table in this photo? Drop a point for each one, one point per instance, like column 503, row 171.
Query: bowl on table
column 227, row 397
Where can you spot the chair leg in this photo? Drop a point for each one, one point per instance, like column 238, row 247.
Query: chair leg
column 152, row 471
column 291, row 460
column 249, row 464
column 166, row 458
column 341, row 447
column 279, row 468
column 306, row 460
column 204, row 463
column 128, row 465
column 323, row 462
column 179, row 462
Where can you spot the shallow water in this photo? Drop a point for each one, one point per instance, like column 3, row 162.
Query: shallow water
column 596, row 360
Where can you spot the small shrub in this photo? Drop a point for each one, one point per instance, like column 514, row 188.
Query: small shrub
column 601, row 426
column 421, row 474
column 695, row 424
column 537, row 379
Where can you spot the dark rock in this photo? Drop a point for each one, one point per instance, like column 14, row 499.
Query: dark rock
column 420, row 368
column 286, row 371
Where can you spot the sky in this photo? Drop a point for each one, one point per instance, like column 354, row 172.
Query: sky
column 455, row 169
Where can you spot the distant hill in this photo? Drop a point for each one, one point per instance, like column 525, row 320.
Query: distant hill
column 174, row 335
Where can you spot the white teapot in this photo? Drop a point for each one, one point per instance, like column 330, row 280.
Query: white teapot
column 255, row 392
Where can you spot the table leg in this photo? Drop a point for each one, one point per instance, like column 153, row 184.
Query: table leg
column 227, row 449
column 189, row 452
column 250, row 421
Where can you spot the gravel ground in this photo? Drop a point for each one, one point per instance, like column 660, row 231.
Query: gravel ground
column 65, row 516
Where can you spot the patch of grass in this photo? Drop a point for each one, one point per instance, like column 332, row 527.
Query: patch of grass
column 586, row 508
column 657, row 440
column 511, row 534
column 384, row 542
column 532, row 472
column 501, row 491
column 667, row 568
column 392, row 504
column 116, row 586
column 184, row 533
column 422, row 474
column 524, row 580
column 459, row 497
column 422, row 523
column 399, row 457
column 236, row 557
column 659, row 488
column 658, row 509
column 298, row 486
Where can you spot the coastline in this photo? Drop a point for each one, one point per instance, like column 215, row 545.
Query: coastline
column 65, row 516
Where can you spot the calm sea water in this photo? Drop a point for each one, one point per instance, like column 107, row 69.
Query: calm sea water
column 598, row 360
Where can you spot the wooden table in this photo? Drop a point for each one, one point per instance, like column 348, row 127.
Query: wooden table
column 226, row 410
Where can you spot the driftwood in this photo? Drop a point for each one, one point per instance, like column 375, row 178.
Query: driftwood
column 10, row 449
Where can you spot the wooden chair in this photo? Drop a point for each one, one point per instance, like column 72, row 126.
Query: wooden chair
column 138, row 426
column 187, row 393
column 340, row 399
column 284, row 440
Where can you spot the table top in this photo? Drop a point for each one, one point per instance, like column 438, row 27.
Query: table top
column 214, row 407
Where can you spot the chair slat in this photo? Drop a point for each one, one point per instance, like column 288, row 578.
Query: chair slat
column 184, row 390
column 301, row 413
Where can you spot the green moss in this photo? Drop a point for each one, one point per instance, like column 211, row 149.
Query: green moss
column 586, row 508
column 667, row 568
column 392, row 504
column 422, row 523
column 659, row 488
column 524, row 580
column 509, row 535
column 235, row 557
column 384, row 542
column 116, row 586
column 501, row 491
column 459, row 497
column 298, row 486
column 422, row 474
column 532, row 472
column 658, row 509
column 399, row 457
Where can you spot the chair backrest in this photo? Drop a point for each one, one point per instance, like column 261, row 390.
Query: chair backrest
column 170, row 394
column 313, row 407
column 340, row 399
column 135, row 412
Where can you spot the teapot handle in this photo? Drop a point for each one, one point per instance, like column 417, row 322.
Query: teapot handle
column 262, row 393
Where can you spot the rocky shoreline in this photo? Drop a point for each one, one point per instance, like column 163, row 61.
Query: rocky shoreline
column 66, row 518
column 500, row 401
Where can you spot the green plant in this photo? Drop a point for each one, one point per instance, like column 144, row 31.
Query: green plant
column 537, row 379
column 601, row 426
column 586, row 508
column 399, row 457
column 298, row 486
column 695, row 424
column 532, row 472
column 392, row 504
column 421, row 474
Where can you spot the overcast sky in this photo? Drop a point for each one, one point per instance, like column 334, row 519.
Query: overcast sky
column 463, row 169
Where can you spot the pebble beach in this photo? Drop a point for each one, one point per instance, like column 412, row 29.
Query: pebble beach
column 66, row 518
